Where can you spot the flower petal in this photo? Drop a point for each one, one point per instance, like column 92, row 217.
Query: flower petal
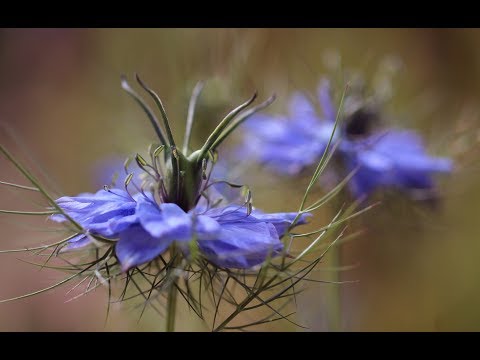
column 206, row 227
column 167, row 221
column 394, row 158
column 242, row 245
column 325, row 99
column 281, row 221
column 96, row 212
column 136, row 246
column 77, row 242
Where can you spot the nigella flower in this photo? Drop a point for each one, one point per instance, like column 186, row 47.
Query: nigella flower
column 391, row 158
column 168, row 210
column 227, row 236
column 290, row 143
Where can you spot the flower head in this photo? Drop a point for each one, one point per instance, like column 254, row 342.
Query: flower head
column 168, row 207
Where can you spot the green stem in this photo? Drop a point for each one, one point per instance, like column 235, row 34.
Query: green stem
column 171, row 307
column 172, row 292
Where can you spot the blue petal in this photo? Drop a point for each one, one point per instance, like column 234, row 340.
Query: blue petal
column 136, row 246
column 268, row 127
column 245, row 240
column 77, row 242
column 242, row 245
column 206, row 227
column 394, row 158
column 236, row 213
column 281, row 221
column 114, row 224
column 167, row 221
column 288, row 145
column 95, row 208
column 302, row 112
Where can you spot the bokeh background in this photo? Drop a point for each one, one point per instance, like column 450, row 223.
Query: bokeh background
column 417, row 266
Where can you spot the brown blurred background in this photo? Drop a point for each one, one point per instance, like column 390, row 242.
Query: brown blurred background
column 60, row 92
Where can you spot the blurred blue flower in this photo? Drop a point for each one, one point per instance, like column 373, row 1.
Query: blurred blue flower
column 289, row 144
column 393, row 158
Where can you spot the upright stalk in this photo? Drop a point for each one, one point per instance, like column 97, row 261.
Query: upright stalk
column 171, row 307
column 172, row 294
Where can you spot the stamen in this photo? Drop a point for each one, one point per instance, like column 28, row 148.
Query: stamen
column 141, row 162
column 158, row 150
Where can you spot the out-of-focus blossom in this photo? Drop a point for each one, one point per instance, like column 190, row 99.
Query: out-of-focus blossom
column 392, row 158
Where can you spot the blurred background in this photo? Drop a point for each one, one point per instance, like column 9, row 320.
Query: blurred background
column 417, row 267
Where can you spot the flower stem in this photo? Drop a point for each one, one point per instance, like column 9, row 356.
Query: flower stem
column 171, row 307
column 172, row 292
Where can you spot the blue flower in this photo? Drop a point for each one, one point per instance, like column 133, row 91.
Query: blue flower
column 394, row 158
column 227, row 236
column 289, row 144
